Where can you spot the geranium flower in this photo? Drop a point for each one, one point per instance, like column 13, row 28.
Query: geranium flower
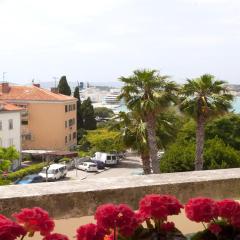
column 90, row 232
column 121, row 217
column 227, row 208
column 35, row 220
column 201, row 209
column 159, row 206
column 10, row 230
column 168, row 226
column 56, row 236
column 214, row 228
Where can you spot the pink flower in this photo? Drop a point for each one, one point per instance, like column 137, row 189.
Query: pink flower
column 121, row 217
column 56, row 236
column 201, row 209
column 90, row 232
column 168, row 226
column 227, row 208
column 106, row 216
column 34, row 220
column 159, row 206
column 10, row 230
column 214, row 228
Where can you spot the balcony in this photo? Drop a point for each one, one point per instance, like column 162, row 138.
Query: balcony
column 70, row 201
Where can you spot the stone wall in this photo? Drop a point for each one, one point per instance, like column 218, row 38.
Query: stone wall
column 81, row 197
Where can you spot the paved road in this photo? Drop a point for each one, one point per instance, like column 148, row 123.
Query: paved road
column 127, row 167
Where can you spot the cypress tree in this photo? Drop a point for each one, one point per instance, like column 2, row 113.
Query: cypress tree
column 89, row 121
column 79, row 111
column 63, row 86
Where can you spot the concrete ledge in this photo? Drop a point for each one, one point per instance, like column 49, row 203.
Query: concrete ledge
column 80, row 198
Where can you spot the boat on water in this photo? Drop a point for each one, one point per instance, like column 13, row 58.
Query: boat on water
column 112, row 98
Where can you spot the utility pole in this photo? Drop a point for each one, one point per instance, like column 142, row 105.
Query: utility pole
column 55, row 81
column 3, row 76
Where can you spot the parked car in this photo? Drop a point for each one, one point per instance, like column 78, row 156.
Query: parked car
column 100, row 164
column 106, row 158
column 33, row 178
column 54, row 172
column 88, row 167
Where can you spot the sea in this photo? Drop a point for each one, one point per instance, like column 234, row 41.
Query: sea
column 236, row 106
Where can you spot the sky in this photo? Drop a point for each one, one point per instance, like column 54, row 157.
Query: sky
column 100, row 40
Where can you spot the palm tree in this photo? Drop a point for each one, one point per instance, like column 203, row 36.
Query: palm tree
column 148, row 93
column 132, row 133
column 204, row 98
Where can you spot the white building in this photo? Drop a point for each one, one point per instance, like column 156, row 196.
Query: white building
column 10, row 127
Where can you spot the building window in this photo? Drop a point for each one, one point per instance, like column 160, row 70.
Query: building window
column 66, row 108
column 65, row 124
column 70, row 137
column 24, row 122
column 66, row 139
column 74, row 135
column 0, row 125
column 74, row 106
column 27, row 137
column 10, row 124
column 70, row 108
column 10, row 142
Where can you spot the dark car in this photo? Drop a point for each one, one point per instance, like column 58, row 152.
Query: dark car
column 34, row 178
column 100, row 164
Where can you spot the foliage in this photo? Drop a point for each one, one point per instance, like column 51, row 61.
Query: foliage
column 104, row 140
column 4, row 165
column 9, row 153
column 226, row 128
column 35, row 168
column 65, row 159
column 89, row 121
column 79, row 110
column 84, row 144
column 180, row 156
column 218, row 155
column 205, row 96
column 103, row 112
column 63, row 86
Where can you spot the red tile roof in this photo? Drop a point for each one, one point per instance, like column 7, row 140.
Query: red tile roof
column 8, row 107
column 32, row 93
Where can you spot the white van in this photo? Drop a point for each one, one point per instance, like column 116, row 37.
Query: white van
column 54, row 172
column 107, row 158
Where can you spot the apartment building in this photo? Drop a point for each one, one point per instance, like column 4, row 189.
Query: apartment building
column 48, row 119
column 10, row 125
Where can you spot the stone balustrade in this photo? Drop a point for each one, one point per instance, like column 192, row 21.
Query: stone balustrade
column 78, row 198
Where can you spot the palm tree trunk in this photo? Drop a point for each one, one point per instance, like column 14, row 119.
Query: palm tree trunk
column 146, row 163
column 200, row 135
column 152, row 142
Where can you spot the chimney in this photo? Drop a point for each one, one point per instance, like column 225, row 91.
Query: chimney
column 54, row 90
column 5, row 88
column 36, row 85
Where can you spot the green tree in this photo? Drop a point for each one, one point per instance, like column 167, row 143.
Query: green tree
column 89, row 121
column 203, row 98
column 103, row 112
column 148, row 93
column 79, row 110
column 180, row 156
column 63, row 86
column 226, row 128
column 9, row 153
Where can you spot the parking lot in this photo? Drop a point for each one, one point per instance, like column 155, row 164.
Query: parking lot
column 131, row 165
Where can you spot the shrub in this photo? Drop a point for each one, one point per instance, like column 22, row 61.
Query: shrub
column 65, row 159
column 13, row 176
column 180, row 156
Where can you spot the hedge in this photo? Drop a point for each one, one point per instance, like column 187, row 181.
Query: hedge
column 13, row 176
